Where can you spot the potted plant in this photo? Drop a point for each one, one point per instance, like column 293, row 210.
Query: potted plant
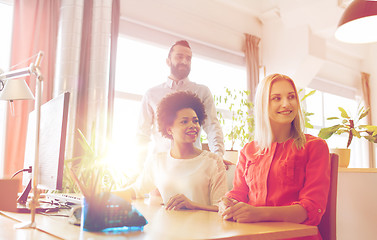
column 94, row 178
column 87, row 174
column 346, row 124
column 237, row 120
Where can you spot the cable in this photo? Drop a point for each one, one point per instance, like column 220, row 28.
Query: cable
column 53, row 215
column 22, row 170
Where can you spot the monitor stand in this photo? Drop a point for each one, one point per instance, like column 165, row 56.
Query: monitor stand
column 23, row 197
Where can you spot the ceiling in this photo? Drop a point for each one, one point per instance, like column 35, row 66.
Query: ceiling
column 321, row 16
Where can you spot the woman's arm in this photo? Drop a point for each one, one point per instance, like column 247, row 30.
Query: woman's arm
column 313, row 196
column 242, row 212
column 240, row 189
column 180, row 201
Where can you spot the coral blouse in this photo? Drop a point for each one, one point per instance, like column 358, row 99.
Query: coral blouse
column 284, row 176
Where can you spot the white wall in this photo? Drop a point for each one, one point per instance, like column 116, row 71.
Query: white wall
column 357, row 209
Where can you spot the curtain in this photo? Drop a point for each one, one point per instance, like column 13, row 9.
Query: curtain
column 252, row 63
column 85, row 68
column 83, row 77
column 113, row 54
column 366, row 93
column 35, row 24
column 366, row 97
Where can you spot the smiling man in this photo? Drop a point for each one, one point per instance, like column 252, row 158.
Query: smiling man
column 179, row 62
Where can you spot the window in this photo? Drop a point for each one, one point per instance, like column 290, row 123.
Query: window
column 6, row 16
column 325, row 105
column 142, row 65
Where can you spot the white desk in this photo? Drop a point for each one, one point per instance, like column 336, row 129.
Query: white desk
column 173, row 225
column 7, row 231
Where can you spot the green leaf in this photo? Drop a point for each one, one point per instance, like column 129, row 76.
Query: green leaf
column 372, row 139
column 355, row 133
column 343, row 113
column 325, row 133
column 364, row 114
column 307, row 95
column 369, row 128
column 308, row 125
column 332, row 118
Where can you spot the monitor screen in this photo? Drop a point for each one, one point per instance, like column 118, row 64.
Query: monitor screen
column 52, row 139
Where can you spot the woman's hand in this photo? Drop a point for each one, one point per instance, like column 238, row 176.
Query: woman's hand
column 225, row 203
column 180, row 201
column 242, row 212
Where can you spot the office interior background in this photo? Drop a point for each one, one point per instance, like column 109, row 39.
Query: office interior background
column 296, row 39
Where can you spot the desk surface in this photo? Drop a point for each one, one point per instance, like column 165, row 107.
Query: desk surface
column 164, row 225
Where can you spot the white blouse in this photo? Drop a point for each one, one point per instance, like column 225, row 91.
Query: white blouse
column 201, row 179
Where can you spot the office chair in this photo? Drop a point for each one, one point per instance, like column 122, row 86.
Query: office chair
column 327, row 226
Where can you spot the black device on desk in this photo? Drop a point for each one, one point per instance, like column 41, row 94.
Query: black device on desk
column 52, row 138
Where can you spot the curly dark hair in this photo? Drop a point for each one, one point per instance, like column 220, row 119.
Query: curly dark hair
column 172, row 103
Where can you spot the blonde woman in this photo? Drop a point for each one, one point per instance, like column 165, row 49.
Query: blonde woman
column 284, row 174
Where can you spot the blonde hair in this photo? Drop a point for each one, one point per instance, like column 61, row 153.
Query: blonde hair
column 263, row 132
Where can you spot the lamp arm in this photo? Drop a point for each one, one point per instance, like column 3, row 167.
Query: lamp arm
column 17, row 73
column 27, row 71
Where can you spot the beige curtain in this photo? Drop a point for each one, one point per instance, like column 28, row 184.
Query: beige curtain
column 366, row 94
column 35, row 27
column 113, row 54
column 252, row 63
column 85, row 57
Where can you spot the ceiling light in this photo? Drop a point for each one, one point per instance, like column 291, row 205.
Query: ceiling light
column 358, row 23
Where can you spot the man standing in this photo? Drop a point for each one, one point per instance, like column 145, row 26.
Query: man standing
column 179, row 61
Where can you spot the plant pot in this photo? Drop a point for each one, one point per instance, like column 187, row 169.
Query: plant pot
column 231, row 155
column 344, row 156
column 93, row 214
column 109, row 211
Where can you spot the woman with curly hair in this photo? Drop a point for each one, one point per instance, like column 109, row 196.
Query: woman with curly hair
column 186, row 177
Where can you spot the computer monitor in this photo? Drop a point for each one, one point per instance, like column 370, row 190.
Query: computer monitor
column 52, row 139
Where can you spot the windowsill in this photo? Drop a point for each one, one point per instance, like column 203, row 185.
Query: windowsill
column 358, row 170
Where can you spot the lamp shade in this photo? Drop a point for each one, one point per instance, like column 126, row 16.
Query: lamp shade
column 358, row 23
column 16, row 89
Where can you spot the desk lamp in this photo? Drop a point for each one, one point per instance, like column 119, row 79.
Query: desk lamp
column 358, row 23
column 16, row 89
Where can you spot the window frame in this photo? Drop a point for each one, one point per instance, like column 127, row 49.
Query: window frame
column 358, row 146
